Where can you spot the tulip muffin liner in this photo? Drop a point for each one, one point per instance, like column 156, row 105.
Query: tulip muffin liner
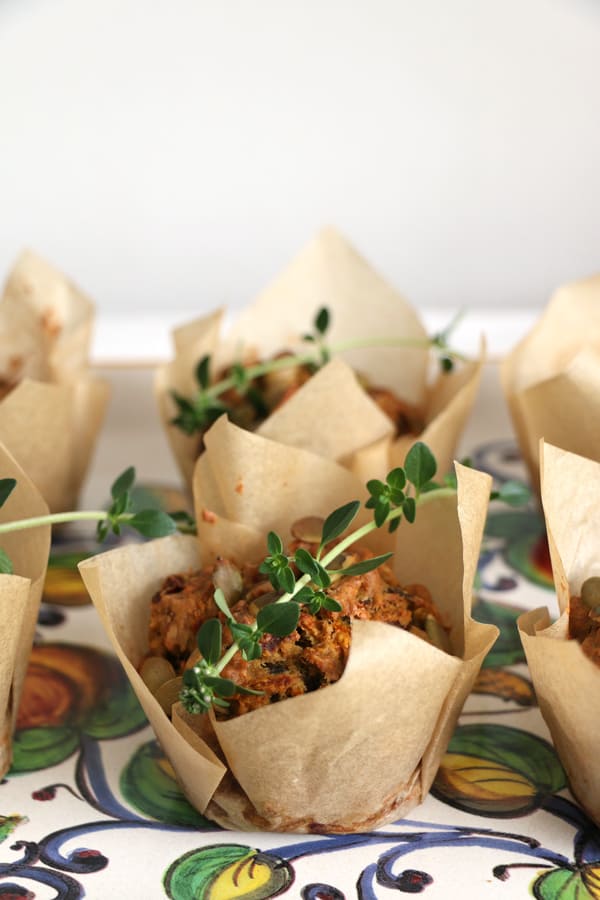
column 46, row 323
column 566, row 681
column 352, row 755
column 20, row 595
column 329, row 273
column 52, row 416
column 551, row 379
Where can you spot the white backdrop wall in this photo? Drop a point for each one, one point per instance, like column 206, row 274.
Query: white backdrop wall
column 176, row 153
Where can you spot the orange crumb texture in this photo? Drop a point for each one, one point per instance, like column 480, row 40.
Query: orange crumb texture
column 313, row 655
column 51, row 323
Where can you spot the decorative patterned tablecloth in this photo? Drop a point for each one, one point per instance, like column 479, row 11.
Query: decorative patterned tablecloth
column 91, row 809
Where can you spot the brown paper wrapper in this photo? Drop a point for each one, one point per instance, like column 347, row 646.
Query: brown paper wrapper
column 567, row 683
column 45, row 323
column 551, row 380
column 20, row 595
column 329, row 272
column 51, row 418
column 357, row 753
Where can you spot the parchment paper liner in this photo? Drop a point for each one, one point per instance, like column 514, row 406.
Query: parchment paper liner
column 19, row 595
column 566, row 682
column 354, row 754
column 329, row 272
column 51, row 429
column 51, row 419
column 551, row 380
column 45, row 323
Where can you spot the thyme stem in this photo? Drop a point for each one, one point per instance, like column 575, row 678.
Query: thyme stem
column 58, row 518
column 299, row 359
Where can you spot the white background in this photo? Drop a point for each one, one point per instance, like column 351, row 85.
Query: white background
column 174, row 154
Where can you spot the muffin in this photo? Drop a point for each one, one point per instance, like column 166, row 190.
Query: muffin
column 562, row 654
column 312, row 656
column 250, row 771
column 584, row 618
column 551, row 379
column 20, row 594
column 371, row 430
column 51, row 409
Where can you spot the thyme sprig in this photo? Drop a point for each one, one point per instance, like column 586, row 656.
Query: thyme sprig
column 391, row 500
column 197, row 413
column 150, row 523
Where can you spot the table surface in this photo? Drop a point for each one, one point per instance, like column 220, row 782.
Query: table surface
column 91, row 808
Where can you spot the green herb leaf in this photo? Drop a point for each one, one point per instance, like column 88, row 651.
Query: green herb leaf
column 274, row 544
column 308, row 565
column 241, row 629
column 6, row 566
column 420, row 465
column 218, row 701
column 260, row 405
column 208, row 412
column 181, row 515
column 279, row 619
column 123, row 483
column 365, row 565
column 247, row 638
column 101, row 531
column 338, row 521
column 120, row 505
column 304, row 595
column 514, row 493
column 450, row 480
column 376, row 488
column 186, row 523
column 225, row 687
column 321, row 578
column 394, row 523
column 7, row 486
column 396, row 479
column 190, row 677
column 239, row 375
column 202, row 372
column 330, row 604
column 409, row 509
column 316, row 602
column 221, row 603
column 285, row 579
column 245, row 690
column 396, row 498
column 152, row 523
column 183, row 404
column 209, row 640
column 382, row 510
column 322, row 320
column 187, row 419
column 195, row 700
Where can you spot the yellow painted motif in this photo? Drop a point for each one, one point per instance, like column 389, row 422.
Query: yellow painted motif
column 241, row 879
column 64, row 586
column 505, row 685
column 481, row 780
column 591, row 878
